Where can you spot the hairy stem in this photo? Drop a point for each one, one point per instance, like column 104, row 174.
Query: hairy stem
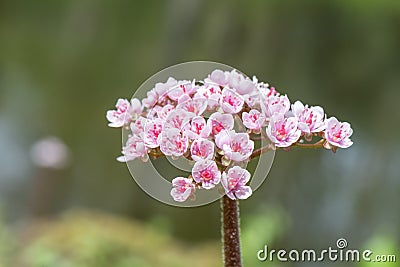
column 230, row 232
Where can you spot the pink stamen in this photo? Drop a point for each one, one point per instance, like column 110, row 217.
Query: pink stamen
column 236, row 147
column 309, row 120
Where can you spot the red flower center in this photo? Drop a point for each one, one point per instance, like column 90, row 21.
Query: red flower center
column 207, row 175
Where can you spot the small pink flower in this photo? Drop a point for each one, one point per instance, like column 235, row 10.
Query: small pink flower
column 311, row 119
column 234, row 183
column 252, row 99
column 152, row 132
column 151, row 99
column 178, row 118
column 163, row 88
column 182, row 88
column 245, row 87
column 137, row 127
column 136, row 106
column 219, row 122
column 173, row 142
column 231, row 102
column 152, row 113
column 218, row 77
column 262, row 87
column 196, row 106
column 202, row 149
column 164, row 111
column 207, row 173
column 211, row 92
column 253, row 120
column 123, row 113
column 283, row 131
column 134, row 148
column 275, row 104
column 236, row 146
column 234, row 79
column 338, row 133
column 182, row 189
column 197, row 128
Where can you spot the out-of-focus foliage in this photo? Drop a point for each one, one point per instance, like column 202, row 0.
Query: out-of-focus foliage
column 386, row 247
column 82, row 239
column 7, row 244
column 265, row 227
column 85, row 239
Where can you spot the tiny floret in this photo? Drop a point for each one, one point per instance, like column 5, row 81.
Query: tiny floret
column 338, row 133
column 207, row 173
column 182, row 189
column 234, row 183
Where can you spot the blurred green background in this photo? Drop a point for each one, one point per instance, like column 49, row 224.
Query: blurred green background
column 64, row 63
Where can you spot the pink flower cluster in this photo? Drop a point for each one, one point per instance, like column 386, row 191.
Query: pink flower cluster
column 199, row 120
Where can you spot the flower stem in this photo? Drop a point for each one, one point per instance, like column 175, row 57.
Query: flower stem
column 230, row 232
column 318, row 144
column 261, row 150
